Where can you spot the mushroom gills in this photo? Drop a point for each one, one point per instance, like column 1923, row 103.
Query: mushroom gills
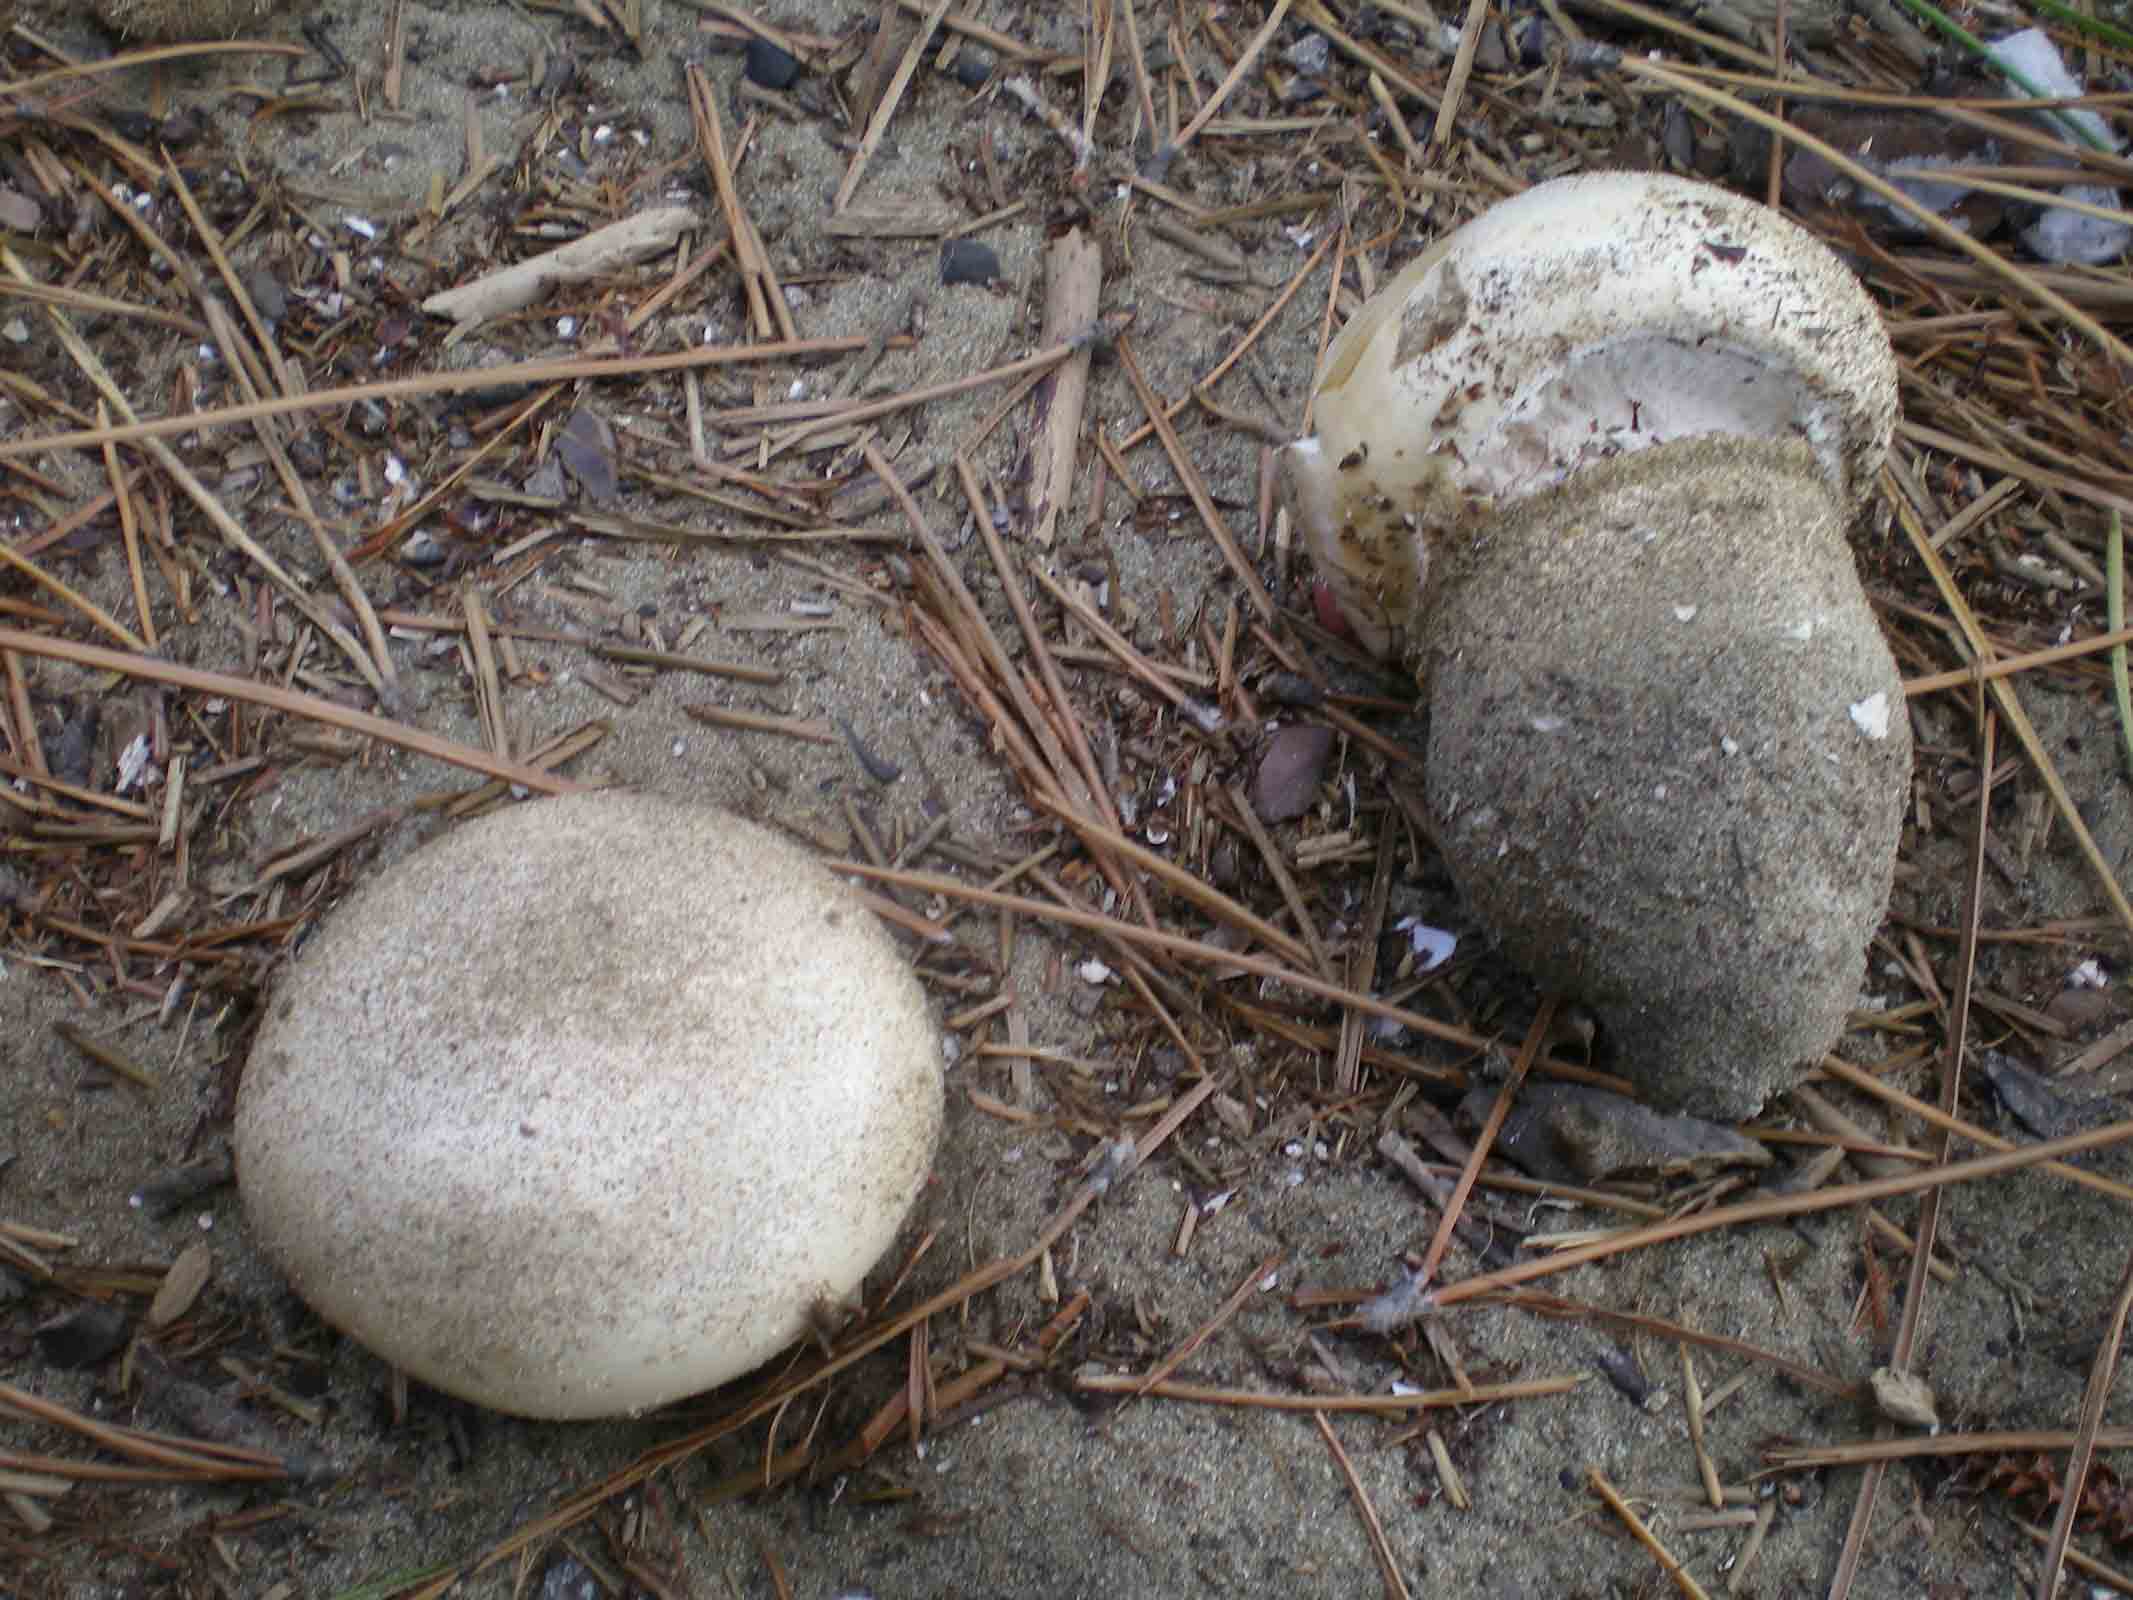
column 1629, row 394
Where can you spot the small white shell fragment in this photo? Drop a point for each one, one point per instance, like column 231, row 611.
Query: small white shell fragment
column 1684, row 613
column 1872, row 715
column 585, row 1106
column 1117, row 1161
column 1432, row 946
column 133, row 762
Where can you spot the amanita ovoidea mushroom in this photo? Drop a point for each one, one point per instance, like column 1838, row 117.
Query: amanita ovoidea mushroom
column 1588, row 463
column 589, row 1105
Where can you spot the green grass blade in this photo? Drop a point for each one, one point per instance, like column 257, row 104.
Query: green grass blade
column 1930, row 13
column 2108, row 32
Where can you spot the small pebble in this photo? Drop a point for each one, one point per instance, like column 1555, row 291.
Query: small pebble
column 84, row 1336
column 968, row 261
column 770, row 67
column 1310, row 54
column 546, row 480
column 267, row 295
column 972, row 68
column 569, row 1579
column 1492, row 52
column 1287, row 780
column 422, row 549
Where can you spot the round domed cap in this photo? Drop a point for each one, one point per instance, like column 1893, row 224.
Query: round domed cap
column 1589, row 317
column 588, row 1105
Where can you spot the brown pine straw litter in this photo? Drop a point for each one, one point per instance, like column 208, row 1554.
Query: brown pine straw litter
column 246, row 561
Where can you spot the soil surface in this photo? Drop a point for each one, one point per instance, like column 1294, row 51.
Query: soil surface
column 1039, row 1487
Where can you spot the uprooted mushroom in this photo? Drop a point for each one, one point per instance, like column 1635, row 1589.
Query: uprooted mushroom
column 1588, row 464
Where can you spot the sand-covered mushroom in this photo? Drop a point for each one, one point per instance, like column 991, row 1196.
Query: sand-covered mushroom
column 159, row 21
column 1589, row 464
column 589, row 1105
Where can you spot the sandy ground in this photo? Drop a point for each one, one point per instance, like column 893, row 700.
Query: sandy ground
column 1033, row 1494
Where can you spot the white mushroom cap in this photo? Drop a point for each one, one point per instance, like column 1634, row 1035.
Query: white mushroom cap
column 589, row 1105
column 1588, row 317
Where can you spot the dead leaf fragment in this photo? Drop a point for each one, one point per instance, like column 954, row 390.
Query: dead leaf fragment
column 586, row 446
column 1571, row 1133
column 181, row 1286
column 1904, row 1397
